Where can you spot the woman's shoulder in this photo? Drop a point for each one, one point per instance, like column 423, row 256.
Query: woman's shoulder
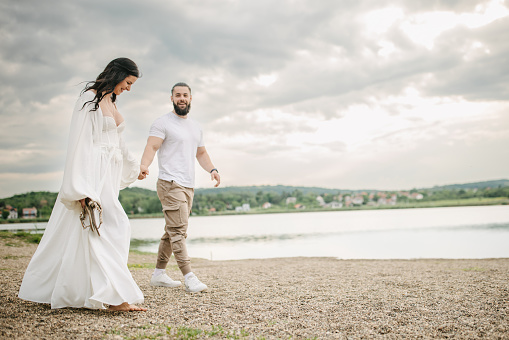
column 86, row 98
column 87, row 95
column 85, row 102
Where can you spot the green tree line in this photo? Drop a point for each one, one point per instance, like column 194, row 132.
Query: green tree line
column 138, row 201
column 43, row 201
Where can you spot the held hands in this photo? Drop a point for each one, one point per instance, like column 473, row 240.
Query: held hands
column 143, row 172
column 214, row 175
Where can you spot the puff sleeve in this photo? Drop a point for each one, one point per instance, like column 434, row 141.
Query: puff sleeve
column 130, row 165
column 82, row 167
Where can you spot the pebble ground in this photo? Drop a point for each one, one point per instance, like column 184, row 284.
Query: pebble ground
column 286, row 298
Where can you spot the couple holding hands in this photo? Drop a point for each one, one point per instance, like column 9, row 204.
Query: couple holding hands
column 74, row 266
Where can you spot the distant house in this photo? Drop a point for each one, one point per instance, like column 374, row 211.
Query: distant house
column 266, row 205
column 291, row 200
column 30, row 212
column 13, row 213
column 334, row 205
column 394, row 199
column 244, row 208
column 388, row 201
column 320, row 200
column 357, row 200
column 416, row 196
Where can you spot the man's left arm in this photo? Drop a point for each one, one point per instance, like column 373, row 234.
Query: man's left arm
column 204, row 159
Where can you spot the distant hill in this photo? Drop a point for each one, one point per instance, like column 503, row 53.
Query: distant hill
column 42, row 200
column 137, row 191
column 279, row 189
column 276, row 189
column 500, row 183
column 137, row 200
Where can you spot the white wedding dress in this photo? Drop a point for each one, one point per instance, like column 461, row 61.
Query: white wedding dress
column 72, row 266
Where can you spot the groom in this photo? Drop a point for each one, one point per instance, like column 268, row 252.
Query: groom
column 177, row 139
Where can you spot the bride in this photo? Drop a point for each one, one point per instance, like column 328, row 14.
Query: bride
column 73, row 266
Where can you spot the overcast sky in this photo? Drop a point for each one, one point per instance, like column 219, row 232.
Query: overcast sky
column 351, row 94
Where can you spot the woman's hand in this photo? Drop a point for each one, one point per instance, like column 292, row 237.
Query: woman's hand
column 82, row 201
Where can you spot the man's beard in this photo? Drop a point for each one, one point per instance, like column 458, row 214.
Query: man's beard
column 181, row 112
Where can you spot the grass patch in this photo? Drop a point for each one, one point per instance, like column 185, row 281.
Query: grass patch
column 137, row 252
column 144, row 336
column 12, row 257
column 178, row 332
column 184, row 332
column 187, row 333
column 20, row 235
column 113, row 331
column 135, row 243
column 141, row 265
column 216, row 330
column 474, row 269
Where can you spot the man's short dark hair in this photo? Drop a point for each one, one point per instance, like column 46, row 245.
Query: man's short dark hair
column 180, row 84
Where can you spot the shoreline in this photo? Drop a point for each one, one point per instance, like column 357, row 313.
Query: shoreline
column 424, row 205
column 303, row 298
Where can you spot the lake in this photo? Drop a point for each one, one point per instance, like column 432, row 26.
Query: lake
column 451, row 232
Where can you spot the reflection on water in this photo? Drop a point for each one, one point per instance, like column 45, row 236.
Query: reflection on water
column 280, row 237
column 460, row 232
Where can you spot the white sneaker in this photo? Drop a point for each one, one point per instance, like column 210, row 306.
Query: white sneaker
column 163, row 280
column 193, row 285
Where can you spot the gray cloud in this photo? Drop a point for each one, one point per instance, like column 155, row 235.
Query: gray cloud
column 483, row 78
column 323, row 61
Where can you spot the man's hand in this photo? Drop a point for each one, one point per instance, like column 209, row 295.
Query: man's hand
column 143, row 172
column 214, row 175
column 153, row 144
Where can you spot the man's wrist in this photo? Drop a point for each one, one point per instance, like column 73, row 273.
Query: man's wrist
column 214, row 170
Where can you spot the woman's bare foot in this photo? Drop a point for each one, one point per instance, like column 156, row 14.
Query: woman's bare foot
column 125, row 307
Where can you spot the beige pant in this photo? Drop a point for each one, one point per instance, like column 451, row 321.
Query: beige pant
column 177, row 202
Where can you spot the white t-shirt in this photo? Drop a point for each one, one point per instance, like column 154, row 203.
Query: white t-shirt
column 181, row 139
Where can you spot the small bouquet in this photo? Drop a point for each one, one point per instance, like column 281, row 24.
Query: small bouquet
column 91, row 211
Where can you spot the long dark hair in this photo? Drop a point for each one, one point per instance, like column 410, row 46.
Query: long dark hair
column 115, row 72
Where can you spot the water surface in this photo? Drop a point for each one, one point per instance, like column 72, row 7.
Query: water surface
column 457, row 232
column 452, row 232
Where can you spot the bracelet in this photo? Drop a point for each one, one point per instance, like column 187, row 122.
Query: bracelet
column 214, row 170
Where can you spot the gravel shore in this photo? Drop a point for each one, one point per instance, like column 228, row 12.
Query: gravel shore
column 298, row 298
